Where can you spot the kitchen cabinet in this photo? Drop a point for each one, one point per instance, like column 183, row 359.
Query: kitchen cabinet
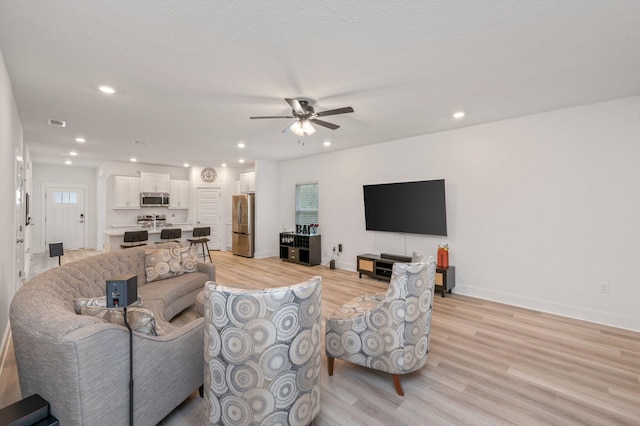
column 178, row 194
column 248, row 182
column 127, row 192
column 154, row 182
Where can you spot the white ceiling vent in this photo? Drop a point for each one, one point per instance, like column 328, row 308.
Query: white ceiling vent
column 143, row 143
column 59, row 123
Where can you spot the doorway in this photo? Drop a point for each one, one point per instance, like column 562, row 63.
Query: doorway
column 209, row 213
column 65, row 216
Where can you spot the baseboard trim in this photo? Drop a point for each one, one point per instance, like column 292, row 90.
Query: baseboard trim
column 264, row 254
column 575, row 312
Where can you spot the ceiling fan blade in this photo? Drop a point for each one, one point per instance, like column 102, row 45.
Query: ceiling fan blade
column 324, row 124
column 295, row 105
column 334, row 111
column 273, row 116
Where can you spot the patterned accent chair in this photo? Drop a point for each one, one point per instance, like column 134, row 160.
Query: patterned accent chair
column 262, row 354
column 387, row 331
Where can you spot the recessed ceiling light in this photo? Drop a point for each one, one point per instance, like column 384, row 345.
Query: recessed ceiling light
column 106, row 89
column 73, row 153
column 458, row 114
column 224, row 164
column 133, row 160
column 81, row 140
column 241, row 145
column 186, row 164
column 327, row 143
column 241, row 160
column 68, row 162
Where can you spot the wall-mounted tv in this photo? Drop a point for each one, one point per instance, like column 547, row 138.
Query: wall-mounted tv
column 411, row 207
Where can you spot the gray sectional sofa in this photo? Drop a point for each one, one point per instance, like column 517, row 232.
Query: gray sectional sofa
column 80, row 363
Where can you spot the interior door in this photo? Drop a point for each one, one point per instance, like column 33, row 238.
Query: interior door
column 209, row 213
column 65, row 217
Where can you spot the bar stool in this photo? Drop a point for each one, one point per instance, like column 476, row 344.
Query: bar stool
column 172, row 234
column 200, row 237
column 135, row 239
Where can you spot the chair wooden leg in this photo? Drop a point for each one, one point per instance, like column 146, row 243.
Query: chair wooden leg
column 398, row 385
column 208, row 252
column 330, row 365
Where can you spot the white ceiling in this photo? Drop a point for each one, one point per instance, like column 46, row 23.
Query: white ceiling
column 188, row 74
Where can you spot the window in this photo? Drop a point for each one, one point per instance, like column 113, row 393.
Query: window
column 306, row 203
column 65, row 197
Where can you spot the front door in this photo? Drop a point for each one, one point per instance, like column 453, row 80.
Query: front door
column 65, row 217
column 209, row 213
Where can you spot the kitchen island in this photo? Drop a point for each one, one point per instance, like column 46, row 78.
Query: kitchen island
column 114, row 237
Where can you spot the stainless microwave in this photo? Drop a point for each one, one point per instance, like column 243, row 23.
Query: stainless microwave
column 154, row 199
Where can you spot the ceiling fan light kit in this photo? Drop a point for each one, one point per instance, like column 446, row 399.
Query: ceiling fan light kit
column 305, row 115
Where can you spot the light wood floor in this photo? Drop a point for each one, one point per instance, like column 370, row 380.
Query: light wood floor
column 489, row 363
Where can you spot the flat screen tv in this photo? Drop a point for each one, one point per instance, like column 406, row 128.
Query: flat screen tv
column 411, row 207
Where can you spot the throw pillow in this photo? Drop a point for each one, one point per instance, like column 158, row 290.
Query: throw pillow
column 418, row 257
column 162, row 263
column 98, row 301
column 140, row 320
column 189, row 259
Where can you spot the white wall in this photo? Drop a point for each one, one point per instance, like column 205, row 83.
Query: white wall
column 50, row 174
column 11, row 142
column 267, row 217
column 541, row 209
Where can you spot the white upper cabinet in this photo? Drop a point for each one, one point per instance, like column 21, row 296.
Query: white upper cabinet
column 127, row 192
column 179, row 194
column 248, row 182
column 154, row 182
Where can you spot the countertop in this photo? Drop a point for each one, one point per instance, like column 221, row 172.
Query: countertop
column 117, row 232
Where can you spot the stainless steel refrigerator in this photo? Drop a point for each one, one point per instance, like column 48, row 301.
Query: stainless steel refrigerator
column 243, row 208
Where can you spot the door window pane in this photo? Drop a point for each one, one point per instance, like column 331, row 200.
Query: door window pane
column 65, row 197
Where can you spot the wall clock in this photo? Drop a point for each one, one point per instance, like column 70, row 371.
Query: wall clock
column 208, row 175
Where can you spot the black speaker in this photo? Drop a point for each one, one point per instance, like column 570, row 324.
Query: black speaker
column 49, row 421
column 25, row 412
column 56, row 249
column 122, row 290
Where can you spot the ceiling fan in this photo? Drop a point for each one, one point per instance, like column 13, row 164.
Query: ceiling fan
column 305, row 115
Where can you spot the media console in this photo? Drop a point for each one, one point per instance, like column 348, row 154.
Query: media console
column 380, row 267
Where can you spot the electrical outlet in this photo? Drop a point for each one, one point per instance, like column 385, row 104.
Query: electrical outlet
column 340, row 248
column 604, row 288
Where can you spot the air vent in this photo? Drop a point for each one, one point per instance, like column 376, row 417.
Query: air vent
column 142, row 143
column 59, row 123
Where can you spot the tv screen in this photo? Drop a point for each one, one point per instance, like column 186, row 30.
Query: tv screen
column 411, row 207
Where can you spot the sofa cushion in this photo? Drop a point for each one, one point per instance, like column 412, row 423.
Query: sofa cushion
column 79, row 302
column 169, row 297
column 162, row 263
column 140, row 320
